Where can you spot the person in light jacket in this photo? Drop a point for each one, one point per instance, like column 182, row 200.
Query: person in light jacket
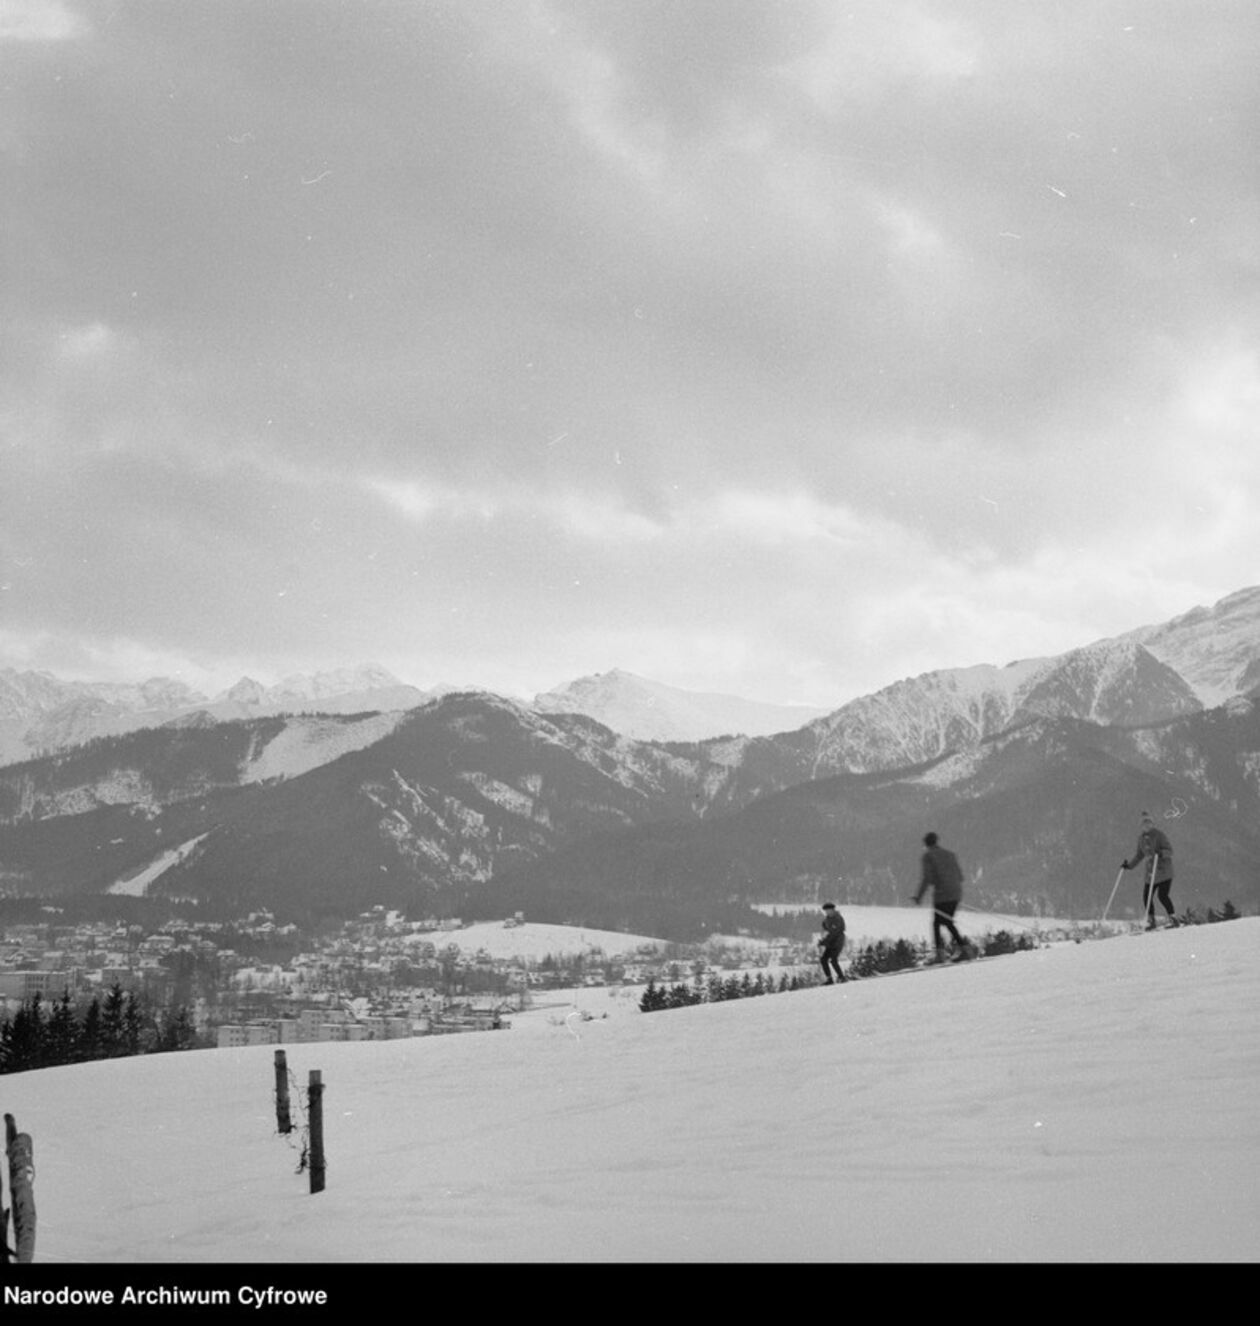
column 1154, row 848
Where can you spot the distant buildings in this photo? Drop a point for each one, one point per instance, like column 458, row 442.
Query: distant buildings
column 324, row 1024
column 23, row 985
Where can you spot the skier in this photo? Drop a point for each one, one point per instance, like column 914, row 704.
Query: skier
column 943, row 875
column 1153, row 846
column 831, row 942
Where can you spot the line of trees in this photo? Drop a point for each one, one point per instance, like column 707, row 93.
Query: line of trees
column 46, row 1035
column 717, row 989
column 870, row 960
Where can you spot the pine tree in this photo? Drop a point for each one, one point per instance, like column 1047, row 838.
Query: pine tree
column 90, row 1044
column 63, row 1031
column 177, row 1031
column 23, row 1046
column 133, row 1027
column 112, row 1023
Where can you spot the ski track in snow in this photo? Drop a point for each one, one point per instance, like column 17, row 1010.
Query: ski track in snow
column 1083, row 1102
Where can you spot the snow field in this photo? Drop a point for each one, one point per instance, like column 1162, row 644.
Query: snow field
column 1083, row 1102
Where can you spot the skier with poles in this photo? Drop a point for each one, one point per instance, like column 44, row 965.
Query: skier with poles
column 1153, row 846
column 831, row 942
column 943, row 875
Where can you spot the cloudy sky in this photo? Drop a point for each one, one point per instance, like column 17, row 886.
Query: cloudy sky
column 776, row 347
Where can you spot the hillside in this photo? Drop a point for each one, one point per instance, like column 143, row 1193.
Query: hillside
column 41, row 714
column 481, row 806
column 403, row 811
column 1041, row 816
column 997, row 1112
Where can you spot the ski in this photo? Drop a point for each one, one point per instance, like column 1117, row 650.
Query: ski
column 930, row 964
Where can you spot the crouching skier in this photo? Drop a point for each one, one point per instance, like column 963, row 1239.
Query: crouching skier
column 830, row 943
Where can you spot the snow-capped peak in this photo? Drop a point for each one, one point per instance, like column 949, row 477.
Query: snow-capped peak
column 1214, row 649
column 339, row 681
column 652, row 711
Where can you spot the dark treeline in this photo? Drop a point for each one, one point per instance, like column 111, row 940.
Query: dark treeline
column 46, row 1035
column 870, row 960
column 718, row 988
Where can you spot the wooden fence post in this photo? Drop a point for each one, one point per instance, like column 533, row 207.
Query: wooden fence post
column 21, row 1153
column 284, row 1122
column 315, row 1116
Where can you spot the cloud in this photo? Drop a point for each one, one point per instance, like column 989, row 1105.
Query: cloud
column 870, row 50
column 756, row 327
column 1222, row 393
column 1211, row 459
column 777, row 519
column 424, row 502
column 584, row 517
column 112, row 659
column 40, row 21
column 93, row 342
column 589, row 82
column 741, row 516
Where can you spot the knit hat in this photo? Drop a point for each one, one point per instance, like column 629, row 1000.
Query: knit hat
column 829, row 907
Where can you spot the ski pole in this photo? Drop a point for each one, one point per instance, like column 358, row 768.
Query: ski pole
column 1004, row 917
column 1150, row 889
column 1112, row 899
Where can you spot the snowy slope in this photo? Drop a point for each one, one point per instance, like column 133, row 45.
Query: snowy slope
column 342, row 691
column 1215, row 649
column 1110, row 682
column 1091, row 1102
column 307, row 743
column 135, row 886
column 39, row 712
column 922, row 717
column 651, row 711
column 534, row 941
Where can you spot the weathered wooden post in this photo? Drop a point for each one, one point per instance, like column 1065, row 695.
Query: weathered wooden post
column 315, row 1116
column 284, row 1122
column 21, row 1152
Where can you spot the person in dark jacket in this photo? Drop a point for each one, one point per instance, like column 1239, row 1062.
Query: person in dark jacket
column 1154, row 848
column 943, row 875
column 831, row 942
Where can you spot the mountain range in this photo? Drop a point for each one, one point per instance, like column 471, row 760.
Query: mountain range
column 470, row 803
column 41, row 714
